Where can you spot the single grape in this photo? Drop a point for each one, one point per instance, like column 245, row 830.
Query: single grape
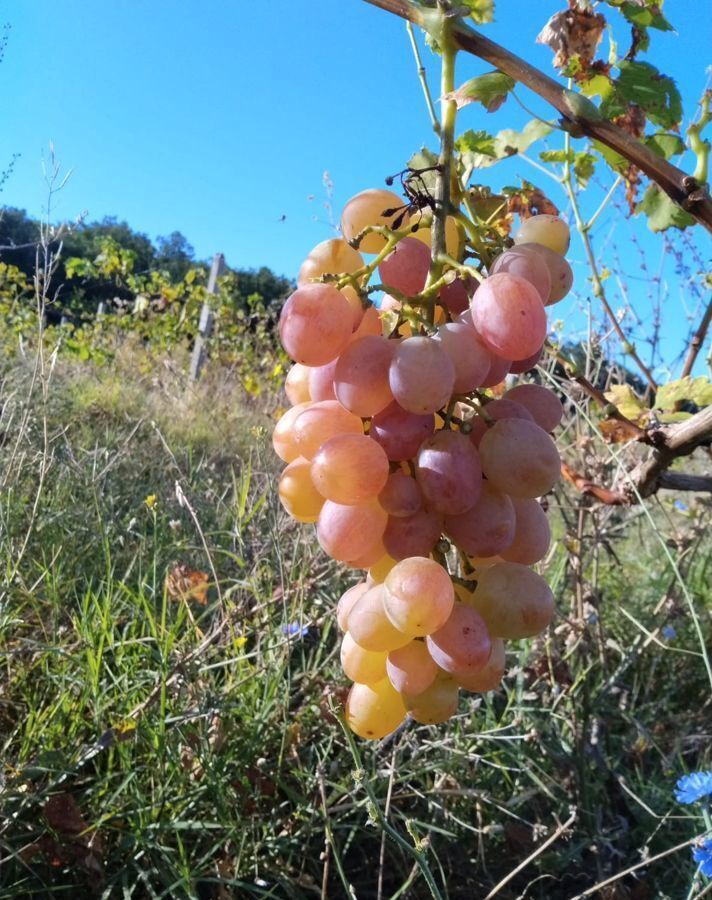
column 369, row 208
column 519, row 458
column 469, row 355
column 369, row 558
column 411, row 669
column 350, row 468
column 334, row 257
column 513, row 600
column 315, row 324
column 369, row 625
column 486, row 679
column 463, row 643
column 370, row 324
column 400, row 432
column 421, row 375
column 378, row 572
column 509, row 316
column 346, row 604
column 527, row 264
column 497, row 409
column 283, row 439
column 562, row 277
column 436, row 704
column 374, row 710
column 532, row 534
column 321, row 381
column 448, row 471
column 487, row 528
column 543, row 404
column 419, row 596
column 549, row 231
column 297, row 492
column 363, row 666
column 525, row 365
column 456, row 296
column 401, row 495
column 296, row 384
column 349, row 532
column 361, row 377
column 321, row 421
column 406, row 267
column 414, row 535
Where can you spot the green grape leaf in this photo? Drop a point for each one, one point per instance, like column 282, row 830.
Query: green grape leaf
column 598, row 86
column 656, row 94
column 697, row 390
column 508, row 141
column 665, row 144
column 670, row 418
column 490, row 90
column 476, row 142
column 626, row 400
column 424, row 159
column 482, row 11
column 661, row 211
column 617, row 162
column 642, row 15
column 583, row 163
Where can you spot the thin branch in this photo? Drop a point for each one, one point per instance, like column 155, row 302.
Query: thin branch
column 697, row 341
column 422, row 76
column 678, row 185
column 679, row 481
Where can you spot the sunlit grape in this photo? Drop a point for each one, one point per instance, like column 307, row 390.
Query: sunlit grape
column 436, row 704
column 463, row 643
column 549, row 231
column 560, row 272
column 423, row 232
column 519, row 458
column 509, row 316
column 406, row 267
column 315, row 324
column 367, row 209
column 513, row 600
column 350, row 468
column 421, row 375
column 283, row 439
column 296, row 384
column 346, row 603
column 369, row 625
column 419, row 596
column 411, row 669
column 361, row 377
column 378, row 572
column 297, row 492
column 528, row 265
column 321, row 421
column 348, row 532
column 364, row 666
column 374, row 710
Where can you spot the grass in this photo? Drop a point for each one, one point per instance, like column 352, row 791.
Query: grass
column 159, row 747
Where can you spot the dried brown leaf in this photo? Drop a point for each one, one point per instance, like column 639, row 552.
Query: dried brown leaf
column 571, row 33
column 184, row 583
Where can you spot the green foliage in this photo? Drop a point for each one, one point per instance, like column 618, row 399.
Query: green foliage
column 490, row 89
column 662, row 213
column 481, row 11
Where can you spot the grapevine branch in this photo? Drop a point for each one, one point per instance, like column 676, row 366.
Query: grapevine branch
column 681, row 187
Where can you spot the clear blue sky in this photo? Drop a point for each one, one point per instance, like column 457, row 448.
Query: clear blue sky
column 219, row 119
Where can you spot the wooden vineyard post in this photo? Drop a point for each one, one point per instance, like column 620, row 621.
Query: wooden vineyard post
column 205, row 328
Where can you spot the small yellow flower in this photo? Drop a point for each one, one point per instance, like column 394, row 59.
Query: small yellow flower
column 151, row 501
column 240, row 641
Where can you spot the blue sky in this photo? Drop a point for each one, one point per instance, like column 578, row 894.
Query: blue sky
column 220, row 119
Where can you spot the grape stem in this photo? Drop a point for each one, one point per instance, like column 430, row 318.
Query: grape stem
column 423, row 79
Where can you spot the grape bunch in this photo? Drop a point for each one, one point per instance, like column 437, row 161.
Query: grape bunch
column 415, row 464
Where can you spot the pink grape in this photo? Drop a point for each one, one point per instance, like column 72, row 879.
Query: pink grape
column 421, row 375
column 488, row 527
column 547, row 230
column 321, row 381
column 509, row 315
column 562, row 277
column 401, row 495
column 361, row 378
column 532, row 534
column 463, row 644
column 514, row 601
column 524, row 365
column 370, row 324
column 497, row 409
column 406, row 267
column 486, row 679
column 411, row 669
column 543, row 404
column 449, row 473
column 283, row 440
column 320, row 422
column 419, row 596
column 334, row 257
column 349, row 532
column 414, row 535
column 346, row 603
column 369, row 625
column 376, row 552
column 469, row 355
column 367, row 209
column 520, row 458
column 400, row 432
column 527, row 264
column 350, row 468
column 455, row 296
column 315, row 324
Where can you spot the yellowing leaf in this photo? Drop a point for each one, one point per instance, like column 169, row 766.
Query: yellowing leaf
column 696, row 390
column 626, row 400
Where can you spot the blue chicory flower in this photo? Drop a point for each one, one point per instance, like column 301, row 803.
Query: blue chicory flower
column 669, row 632
column 294, row 629
column 693, row 787
column 703, row 857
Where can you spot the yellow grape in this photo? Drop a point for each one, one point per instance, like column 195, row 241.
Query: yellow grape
column 367, row 209
column 411, row 669
column 381, row 568
column 296, row 384
column 297, row 492
column 514, row 601
column 549, row 231
column 364, row 666
column 419, row 596
column 436, row 704
column 332, row 257
column 374, row 710
column 370, row 324
column 369, row 625
column 347, row 533
column 320, row 422
column 283, row 435
column 346, row 603
column 350, row 468
column 486, row 679
column 453, row 233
